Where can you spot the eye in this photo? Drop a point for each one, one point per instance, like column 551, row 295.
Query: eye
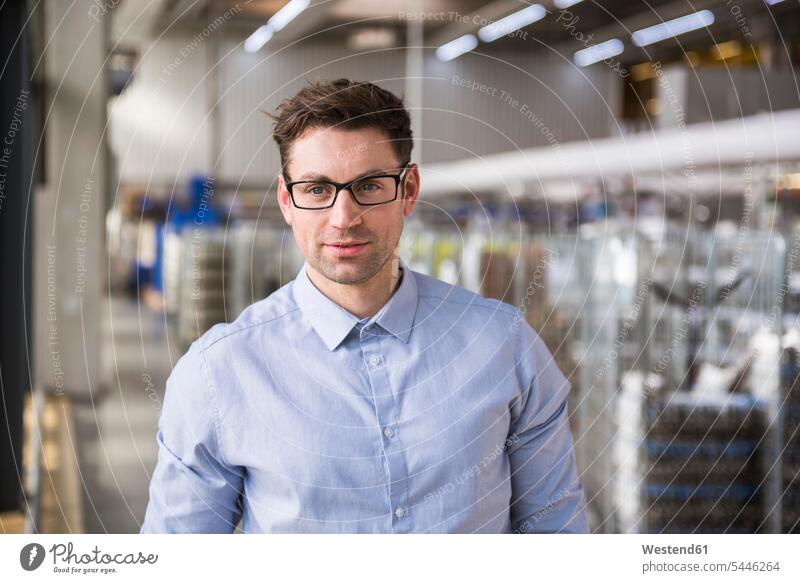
column 315, row 189
column 369, row 186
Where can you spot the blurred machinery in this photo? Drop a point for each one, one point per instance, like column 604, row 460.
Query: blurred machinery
column 202, row 284
column 222, row 271
column 790, row 452
column 199, row 268
column 678, row 429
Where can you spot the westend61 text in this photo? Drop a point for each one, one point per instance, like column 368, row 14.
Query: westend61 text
column 675, row 550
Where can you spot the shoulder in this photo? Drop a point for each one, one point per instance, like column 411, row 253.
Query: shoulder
column 222, row 356
column 505, row 336
column 451, row 301
column 275, row 310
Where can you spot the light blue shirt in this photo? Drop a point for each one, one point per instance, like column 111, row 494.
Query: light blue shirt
column 443, row 412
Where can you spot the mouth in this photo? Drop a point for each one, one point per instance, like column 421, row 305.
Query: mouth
column 346, row 248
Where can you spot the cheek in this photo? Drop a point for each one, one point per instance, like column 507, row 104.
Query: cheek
column 389, row 228
column 388, row 219
column 306, row 229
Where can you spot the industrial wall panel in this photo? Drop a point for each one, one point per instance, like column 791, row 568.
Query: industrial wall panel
column 158, row 126
column 529, row 98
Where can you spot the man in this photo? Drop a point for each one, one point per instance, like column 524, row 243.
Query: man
column 362, row 396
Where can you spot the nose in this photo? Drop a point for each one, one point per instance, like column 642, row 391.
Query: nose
column 346, row 212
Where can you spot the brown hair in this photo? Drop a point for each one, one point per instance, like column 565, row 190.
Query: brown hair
column 345, row 104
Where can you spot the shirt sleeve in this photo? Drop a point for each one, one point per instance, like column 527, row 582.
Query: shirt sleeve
column 193, row 489
column 547, row 495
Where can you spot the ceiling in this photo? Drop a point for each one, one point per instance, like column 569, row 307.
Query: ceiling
column 444, row 20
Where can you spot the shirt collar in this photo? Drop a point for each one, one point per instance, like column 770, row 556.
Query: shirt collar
column 333, row 323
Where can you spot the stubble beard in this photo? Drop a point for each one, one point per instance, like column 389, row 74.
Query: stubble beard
column 352, row 270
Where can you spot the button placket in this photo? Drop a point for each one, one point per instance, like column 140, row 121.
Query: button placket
column 392, row 447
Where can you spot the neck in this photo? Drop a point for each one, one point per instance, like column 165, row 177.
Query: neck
column 363, row 299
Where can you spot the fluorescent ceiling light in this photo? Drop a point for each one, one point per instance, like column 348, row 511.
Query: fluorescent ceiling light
column 671, row 28
column 258, row 39
column 512, row 22
column 596, row 53
column 565, row 3
column 457, row 47
column 279, row 20
column 286, row 14
column 774, row 2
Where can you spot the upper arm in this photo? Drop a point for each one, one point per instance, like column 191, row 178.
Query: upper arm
column 546, row 492
column 193, row 488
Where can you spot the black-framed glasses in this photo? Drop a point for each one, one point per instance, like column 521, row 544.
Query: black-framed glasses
column 369, row 190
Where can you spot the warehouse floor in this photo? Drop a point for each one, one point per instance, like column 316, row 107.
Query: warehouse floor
column 116, row 431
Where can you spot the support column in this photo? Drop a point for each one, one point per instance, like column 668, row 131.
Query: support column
column 70, row 265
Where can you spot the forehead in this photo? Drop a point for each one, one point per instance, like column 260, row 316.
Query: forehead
column 340, row 154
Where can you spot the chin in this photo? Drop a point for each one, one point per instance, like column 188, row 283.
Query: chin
column 347, row 272
column 347, row 278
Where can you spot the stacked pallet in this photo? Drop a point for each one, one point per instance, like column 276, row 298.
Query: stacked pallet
column 256, row 253
column 202, row 283
column 703, row 466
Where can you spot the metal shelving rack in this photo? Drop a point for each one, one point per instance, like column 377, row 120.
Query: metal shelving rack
column 723, row 298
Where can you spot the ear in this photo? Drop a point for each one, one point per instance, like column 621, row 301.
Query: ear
column 410, row 189
column 284, row 201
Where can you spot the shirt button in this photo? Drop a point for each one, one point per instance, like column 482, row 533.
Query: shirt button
column 374, row 360
column 388, row 432
column 399, row 512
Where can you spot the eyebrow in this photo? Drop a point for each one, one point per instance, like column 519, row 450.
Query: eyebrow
column 323, row 177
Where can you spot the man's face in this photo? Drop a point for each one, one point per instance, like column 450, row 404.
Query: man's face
column 347, row 243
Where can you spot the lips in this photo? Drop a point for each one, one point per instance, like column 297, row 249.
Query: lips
column 346, row 248
column 346, row 243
